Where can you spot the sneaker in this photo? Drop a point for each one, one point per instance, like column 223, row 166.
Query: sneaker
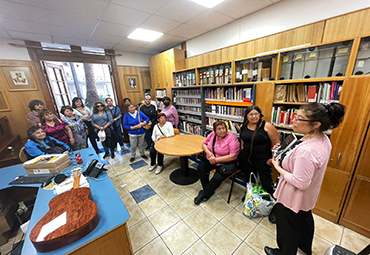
column 144, row 157
column 132, row 159
column 151, row 168
column 159, row 170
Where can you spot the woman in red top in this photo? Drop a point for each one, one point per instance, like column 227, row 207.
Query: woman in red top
column 56, row 128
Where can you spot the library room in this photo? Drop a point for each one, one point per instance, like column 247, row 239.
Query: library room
column 157, row 127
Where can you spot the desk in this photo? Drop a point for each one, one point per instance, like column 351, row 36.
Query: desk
column 111, row 234
column 182, row 146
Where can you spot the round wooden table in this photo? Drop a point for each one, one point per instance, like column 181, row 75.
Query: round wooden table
column 182, row 146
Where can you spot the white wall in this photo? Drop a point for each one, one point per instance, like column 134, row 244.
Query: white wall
column 12, row 53
column 276, row 18
column 133, row 59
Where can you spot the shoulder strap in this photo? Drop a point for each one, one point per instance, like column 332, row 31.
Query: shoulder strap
column 213, row 145
column 138, row 116
column 160, row 129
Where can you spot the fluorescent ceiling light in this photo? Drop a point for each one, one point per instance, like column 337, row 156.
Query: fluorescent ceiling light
column 208, row 3
column 144, row 35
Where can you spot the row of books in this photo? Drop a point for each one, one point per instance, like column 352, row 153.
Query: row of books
column 161, row 92
column 321, row 93
column 189, row 108
column 227, row 110
column 215, row 75
column 188, row 100
column 280, row 116
column 190, row 127
column 188, row 92
column 185, row 79
column 230, row 125
column 253, row 71
column 235, row 94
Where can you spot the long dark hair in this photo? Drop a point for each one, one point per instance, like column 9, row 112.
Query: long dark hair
column 74, row 100
column 95, row 107
column 245, row 124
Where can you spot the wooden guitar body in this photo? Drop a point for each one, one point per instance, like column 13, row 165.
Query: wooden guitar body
column 72, row 215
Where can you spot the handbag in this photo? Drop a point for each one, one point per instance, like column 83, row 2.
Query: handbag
column 148, row 125
column 224, row 168
column 257, row 201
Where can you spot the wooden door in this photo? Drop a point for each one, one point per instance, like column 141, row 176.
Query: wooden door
column 58, row 84
column 346, row 141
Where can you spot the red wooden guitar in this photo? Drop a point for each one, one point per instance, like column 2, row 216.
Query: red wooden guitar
column 72, row 215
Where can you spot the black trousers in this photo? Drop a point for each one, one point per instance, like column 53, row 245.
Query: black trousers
column 258, row 166
column 92, row 136
column 153, row 154
column 294, row 230
column 209, row 186
column 117, row 130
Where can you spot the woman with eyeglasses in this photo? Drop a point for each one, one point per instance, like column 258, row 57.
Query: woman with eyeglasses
column 302, row 169
column 102, row 121
column 256, row 137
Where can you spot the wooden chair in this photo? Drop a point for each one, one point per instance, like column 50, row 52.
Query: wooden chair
column 176, row 131
column 232, row 176
column 22, row 156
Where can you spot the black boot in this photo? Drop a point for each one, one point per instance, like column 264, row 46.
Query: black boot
column 272, row 215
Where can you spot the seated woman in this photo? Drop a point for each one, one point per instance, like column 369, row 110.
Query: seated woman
column 161, row 130
column 41, row 144
column 78, row 127
column 226, row 148
column 56, row 128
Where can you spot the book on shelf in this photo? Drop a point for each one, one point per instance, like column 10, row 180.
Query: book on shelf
column 283, row 117
column 312, row 94
column 235, row 94
column 280, row 93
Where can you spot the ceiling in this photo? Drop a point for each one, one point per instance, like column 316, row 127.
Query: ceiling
column 106, row 24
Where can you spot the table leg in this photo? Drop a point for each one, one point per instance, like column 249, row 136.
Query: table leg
column 184, row 175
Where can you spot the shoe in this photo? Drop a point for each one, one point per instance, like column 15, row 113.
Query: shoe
column 159, row 170
column 200, row 198
column 144, row 157
column 112, row 156
column 132, row 159
column 272, row 215
column 151, row 168
column 271, row 251
column 106, row 155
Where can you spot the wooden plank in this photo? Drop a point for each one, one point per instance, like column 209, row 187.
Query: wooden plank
column 265, row 90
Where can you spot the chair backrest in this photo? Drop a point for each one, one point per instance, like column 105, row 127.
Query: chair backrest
column 22, row 156
column 176, row 131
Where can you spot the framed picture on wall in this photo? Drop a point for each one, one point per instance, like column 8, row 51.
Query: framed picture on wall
column 19, row 78
column 4, row 104
column 132, row 82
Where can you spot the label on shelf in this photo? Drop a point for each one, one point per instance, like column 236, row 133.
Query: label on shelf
column 313, row 55
column 343, row 50
column 285, row 59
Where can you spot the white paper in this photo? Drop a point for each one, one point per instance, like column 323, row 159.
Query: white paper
column 67, row 184
column 41, row 171
column 52, row 226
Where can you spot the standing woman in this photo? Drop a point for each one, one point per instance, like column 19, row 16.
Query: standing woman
column 102, row 121
column 116, row 114
column 56, row 128
column 85, row 113
column 135, row 129
column 256, row 136
column 149, row 110
column 170, row 111
column 35, row 107
column 126, row 104
column 302, row 169
column 78, row 127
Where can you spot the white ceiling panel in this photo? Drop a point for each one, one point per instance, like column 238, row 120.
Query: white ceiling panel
column 159, row 24
column 147, row 51
column 170, row 39
column 24, row 12
column 78, row 33
column 128, row 48
column 69, row 41
column 125, row 16
column 113, row 29
column 73, row 21
column 95, row 7
column 149, row 6
column 130, row 45
column 36, row 3
column 4, row 34
column 29, row 36
column 187, row 31
column 24, row 26
column 210, row 20
column 106, row 38
column 240, row 8
column 103, row 45
column 180, row 10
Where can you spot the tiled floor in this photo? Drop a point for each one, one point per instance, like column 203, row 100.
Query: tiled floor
column 165, row 220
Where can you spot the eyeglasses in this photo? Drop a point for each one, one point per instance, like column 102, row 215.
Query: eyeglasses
column 253, row 114
column 296, row 118
column 99, row 106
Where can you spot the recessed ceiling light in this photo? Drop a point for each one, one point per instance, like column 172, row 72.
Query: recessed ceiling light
column 208, row 3
column 144, row 35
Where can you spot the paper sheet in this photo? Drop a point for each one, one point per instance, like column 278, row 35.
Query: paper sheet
column 52, row 226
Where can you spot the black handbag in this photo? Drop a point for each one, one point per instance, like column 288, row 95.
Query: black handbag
column 224, row 168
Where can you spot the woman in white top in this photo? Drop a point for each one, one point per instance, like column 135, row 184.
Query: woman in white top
column 161, row 130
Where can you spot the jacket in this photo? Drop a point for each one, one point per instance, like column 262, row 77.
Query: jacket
column 34, row 149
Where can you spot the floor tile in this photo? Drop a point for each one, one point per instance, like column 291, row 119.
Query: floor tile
column 156, row 246
column 171, row 194
column 179, row 238
column 136, row 215
column 149, row 177
column 245, row 249
column 152, row 205
column 217, row 207
column 117, row 182
column 259, row 238
column 194, row 165
column 183, row 206
column 143, row 193
column 199, row 248
column 161, row 184
column 164, row 219
column 141, row 234
column 122, row 168
column 239, row 224
column 237, row 193
column 221, row 240
column 138, row 164
column 104, row 161
column 123, row 152
column 327, row 230
column 320, row 245
column 126, row 197
column 354, row 241
column 267, row 224
column 193, row 188
column 200, row 221
column 133, row 180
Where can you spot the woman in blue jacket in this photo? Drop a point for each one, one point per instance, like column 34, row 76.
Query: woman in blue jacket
column 135, row 129
column 40, row 144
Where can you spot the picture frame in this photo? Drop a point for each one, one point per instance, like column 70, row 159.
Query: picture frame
column 19, row 78
column 4, row 104
column 132, row 82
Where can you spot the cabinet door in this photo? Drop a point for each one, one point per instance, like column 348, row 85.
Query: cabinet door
column 346, row 141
